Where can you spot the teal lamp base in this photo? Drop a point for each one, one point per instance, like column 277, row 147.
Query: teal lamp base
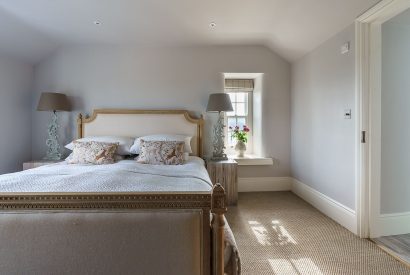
column 53, row 146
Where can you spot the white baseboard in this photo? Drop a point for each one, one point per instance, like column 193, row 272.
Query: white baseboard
column 392, row 224
column 264, row 184
column 331, row 208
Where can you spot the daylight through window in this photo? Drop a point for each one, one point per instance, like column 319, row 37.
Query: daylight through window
column 240, row 92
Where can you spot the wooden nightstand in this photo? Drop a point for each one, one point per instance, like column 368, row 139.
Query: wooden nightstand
column 225, row 173
column 37, row 163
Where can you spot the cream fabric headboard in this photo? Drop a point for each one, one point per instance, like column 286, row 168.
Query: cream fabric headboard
column 136, row 123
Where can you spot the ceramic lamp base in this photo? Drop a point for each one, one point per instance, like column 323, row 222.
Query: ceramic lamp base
column 219, row 139
column 53, row 146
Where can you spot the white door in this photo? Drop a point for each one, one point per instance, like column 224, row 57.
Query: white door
column 383, row 42
column 393, row 119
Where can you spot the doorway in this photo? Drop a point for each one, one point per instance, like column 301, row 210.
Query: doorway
column 383, row 154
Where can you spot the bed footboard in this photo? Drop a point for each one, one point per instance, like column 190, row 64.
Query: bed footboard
column 135, row 241
column 211, row 243
column 218, row 223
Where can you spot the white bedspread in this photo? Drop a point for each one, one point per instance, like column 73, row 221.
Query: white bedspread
column 123, row 176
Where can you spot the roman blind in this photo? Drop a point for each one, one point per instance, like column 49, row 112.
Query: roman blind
column 238, row 85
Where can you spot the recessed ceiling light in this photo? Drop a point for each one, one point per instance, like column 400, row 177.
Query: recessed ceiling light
column 97, row 22
column 212, row 25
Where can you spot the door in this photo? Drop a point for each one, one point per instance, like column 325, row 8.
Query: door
column 383, row 85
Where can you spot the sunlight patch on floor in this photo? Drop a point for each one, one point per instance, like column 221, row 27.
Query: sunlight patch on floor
column 285, row 237
column 294, row 266
column 279, row 235
column 260, row 232
column 282, row 266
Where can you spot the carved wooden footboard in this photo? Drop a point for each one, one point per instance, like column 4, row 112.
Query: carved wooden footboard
column 212, row 236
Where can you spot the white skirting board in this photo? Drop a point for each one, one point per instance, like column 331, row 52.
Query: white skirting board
column 391, row 224
column 331, row 208
column 387, row 224
column 264, row 184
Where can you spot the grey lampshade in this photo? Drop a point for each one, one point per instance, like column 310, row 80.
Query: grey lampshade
column 53, row 102
column 220, row 102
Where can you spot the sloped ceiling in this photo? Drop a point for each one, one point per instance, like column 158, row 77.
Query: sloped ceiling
column 32, row 29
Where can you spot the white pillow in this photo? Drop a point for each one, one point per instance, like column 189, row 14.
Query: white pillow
column 135, row 148
column 123, row 148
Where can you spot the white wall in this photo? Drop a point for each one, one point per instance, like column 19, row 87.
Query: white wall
column 15, row 114
column 127, row 77
column 323, row 149
column 395, row 151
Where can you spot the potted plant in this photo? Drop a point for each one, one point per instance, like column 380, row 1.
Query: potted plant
column 241, row 136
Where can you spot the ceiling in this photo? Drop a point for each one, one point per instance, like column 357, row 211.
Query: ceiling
column 33, row 29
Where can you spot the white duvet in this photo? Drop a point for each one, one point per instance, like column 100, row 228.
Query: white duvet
column 123, row 176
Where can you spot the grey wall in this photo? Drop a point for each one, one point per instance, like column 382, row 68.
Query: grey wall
column 395, row 146
column 15, row 114
column 127, row 77
column 323, row 149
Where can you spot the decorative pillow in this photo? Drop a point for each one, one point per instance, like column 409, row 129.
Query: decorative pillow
column 161, row 152
column 124, row 147
column 136, row 147
column 93, row 152
column 116, row 158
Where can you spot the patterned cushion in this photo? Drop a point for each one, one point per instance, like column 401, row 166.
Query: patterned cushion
column 93, row 152
column 117, row 157
column 161, row 152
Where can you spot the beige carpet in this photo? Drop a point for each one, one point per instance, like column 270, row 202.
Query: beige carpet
column 278, row 233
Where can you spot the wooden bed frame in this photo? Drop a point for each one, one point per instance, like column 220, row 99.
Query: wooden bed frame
column 212, row 235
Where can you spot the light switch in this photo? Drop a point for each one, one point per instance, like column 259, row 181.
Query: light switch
column 345, row 48
column 348, row 114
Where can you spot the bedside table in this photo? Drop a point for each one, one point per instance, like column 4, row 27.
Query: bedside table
column 225, row 172
column 37, row 163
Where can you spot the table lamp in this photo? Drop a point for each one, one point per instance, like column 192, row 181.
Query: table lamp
column 54, row 102
column 219, row 102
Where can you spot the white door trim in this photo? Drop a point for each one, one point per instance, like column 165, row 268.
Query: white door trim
column 368, row 92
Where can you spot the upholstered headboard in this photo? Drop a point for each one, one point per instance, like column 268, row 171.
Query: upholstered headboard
column 136, row 123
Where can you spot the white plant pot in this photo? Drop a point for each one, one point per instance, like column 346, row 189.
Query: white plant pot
column 240, row 149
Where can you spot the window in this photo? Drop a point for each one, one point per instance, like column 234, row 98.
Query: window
column 240, row 92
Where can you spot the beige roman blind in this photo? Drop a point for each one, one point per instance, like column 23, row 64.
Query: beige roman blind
column 238, row 85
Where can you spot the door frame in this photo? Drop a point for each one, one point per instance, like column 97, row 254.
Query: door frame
column 368, row 108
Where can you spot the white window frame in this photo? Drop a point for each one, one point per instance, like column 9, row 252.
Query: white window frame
column 230, row 150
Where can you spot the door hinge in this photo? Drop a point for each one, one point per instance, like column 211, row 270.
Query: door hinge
column 363, row 137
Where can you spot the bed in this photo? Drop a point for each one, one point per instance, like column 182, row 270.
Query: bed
column 120, row 218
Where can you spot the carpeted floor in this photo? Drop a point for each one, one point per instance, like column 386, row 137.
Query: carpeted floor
column 279, row 233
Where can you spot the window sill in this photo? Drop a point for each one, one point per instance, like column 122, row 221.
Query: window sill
column 250, row 160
